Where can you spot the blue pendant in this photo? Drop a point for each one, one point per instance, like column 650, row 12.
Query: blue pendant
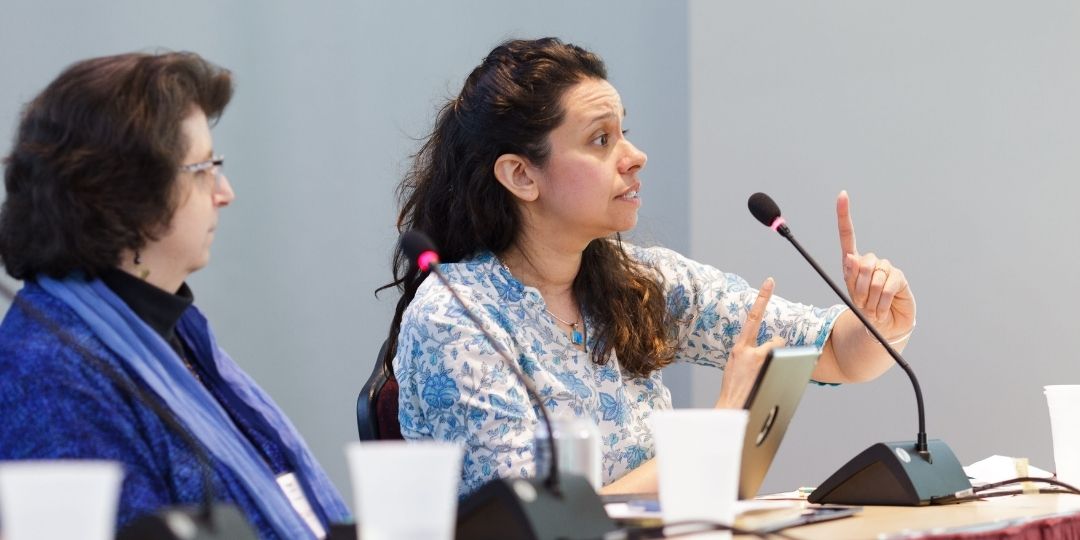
column 576, row 337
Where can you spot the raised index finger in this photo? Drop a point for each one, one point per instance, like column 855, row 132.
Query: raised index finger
column 847, row 229
column 748, row 335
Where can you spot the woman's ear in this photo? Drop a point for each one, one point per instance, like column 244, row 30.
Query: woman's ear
column 517, row 176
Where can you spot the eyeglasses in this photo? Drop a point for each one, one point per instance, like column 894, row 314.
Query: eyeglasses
column 213, row 165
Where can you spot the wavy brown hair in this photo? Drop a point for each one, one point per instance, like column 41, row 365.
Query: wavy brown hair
column 509, row 104
column 93, row 168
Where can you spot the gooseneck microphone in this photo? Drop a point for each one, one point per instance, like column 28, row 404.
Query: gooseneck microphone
column 421, row 250
column 206, row 521
column 885, row 473
column 768, row 213
column 563, row 505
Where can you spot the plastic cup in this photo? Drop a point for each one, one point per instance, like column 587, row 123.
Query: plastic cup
column 61, row 500
column 1063, row 400
column 405, row 490
column 699, row 452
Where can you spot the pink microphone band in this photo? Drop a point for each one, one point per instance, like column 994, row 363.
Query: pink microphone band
column 777, row 223
column 425, row 260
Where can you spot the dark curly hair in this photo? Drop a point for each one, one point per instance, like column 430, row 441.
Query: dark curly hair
column 92, row 170
column 509, row 105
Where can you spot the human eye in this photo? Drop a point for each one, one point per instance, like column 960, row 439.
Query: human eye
column 204, row 175
column 601, row 139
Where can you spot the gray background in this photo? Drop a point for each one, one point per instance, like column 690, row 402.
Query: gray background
column 954, row 125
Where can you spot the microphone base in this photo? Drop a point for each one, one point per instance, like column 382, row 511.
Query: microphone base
column 894, row 474
column 524, row 509
column 188, row 523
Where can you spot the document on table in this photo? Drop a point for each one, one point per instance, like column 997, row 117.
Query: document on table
column 757, row 515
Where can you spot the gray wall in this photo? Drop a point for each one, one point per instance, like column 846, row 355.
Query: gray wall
column 955, row 127
column 331, row 98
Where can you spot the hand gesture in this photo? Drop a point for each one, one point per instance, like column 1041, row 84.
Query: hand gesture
column 747, row 356
column 876, row 287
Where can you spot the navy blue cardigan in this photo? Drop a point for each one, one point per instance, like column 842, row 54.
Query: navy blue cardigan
column 55, row 405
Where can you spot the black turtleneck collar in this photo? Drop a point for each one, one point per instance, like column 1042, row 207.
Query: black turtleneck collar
column 157, row 308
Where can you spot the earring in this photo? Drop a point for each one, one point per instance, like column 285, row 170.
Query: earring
column 143, row 272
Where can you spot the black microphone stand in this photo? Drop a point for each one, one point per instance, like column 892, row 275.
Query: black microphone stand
column 562, row 505
column 920, row 444
column 552, row 480
column 885, row 473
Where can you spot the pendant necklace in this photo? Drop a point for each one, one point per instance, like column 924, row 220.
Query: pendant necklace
column 576, row 337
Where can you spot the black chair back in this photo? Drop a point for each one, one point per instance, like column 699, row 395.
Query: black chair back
column 367, row 404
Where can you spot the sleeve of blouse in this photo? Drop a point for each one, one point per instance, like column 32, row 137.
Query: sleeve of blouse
column 709, row 308
column 454, row 386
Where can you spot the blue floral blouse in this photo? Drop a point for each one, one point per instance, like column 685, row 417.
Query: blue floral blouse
column 454, row 386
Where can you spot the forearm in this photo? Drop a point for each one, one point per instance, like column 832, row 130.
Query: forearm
column 640, row 480
column 644, row 479
column 852, row 354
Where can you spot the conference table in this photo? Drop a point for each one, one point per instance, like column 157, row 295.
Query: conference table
column 1027, row 517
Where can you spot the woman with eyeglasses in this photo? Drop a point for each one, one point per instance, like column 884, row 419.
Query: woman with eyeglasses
column 113, row 196
column 524, row 185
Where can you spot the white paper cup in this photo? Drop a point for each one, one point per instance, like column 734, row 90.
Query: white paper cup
column 61, row 500
column 405, row 490
column 1064, row 403
column 699, row 453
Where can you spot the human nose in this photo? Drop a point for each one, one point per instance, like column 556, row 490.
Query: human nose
column 223, row 191
column 634, row 160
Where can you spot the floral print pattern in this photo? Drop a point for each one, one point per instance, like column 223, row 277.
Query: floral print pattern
column 455, row 386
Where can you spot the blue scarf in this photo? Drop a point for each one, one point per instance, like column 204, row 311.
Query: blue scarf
column 141, row 348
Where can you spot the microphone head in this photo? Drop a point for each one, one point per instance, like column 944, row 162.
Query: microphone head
column 419, row 249
column 764, row 208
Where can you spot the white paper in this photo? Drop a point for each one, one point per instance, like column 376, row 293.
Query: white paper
column 651, row 509
column 998, row 468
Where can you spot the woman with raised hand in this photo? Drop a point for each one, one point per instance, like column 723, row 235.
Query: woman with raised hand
column 113, row 194
column 524, row 185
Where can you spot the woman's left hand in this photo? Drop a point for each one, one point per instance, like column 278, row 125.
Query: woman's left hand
column 876, row 287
